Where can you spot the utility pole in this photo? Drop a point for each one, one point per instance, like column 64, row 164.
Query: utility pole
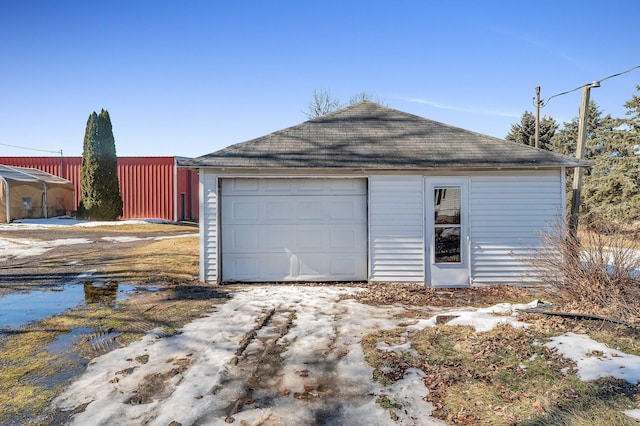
column 580, row 149
column 537, row 117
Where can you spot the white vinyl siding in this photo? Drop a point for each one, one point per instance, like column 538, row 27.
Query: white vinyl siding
column 294, row 229
column 209, row 270
column 396, row 226
column 508, row 213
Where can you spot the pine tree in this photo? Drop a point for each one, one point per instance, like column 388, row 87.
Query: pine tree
column 612, row 190
column 564, row 141
column 100, row 198
column 525, row 131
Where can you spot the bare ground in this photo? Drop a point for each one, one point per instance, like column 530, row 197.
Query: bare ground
column 258, row 354
column 57, row 265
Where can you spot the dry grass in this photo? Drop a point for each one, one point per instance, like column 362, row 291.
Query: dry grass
column 170, row 260
column 506, row 376
column 420, row 295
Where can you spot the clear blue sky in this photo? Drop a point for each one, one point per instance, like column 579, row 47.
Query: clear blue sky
column 188, row 78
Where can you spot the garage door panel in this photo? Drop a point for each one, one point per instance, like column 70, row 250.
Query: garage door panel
column 271, row 186
column 346, row 210
column 311, row 239
column 330, row 267
column 276, row 210
column 246, row 186
column 293, row 209
column 347, row 239
column 242, row 240
column 309, row 210
column 278, row 267
column 249, row 187
column 270, row 267
column 295, row 229
column 294, row 238
column 330, row 210
column 244, row 210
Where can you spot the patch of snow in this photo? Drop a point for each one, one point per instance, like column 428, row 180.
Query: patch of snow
column 128, row 239
column 595, row 359
column 427, row 323
column 484, row 319
column 170, row 237
column 634, row 414
column 323, row 360
column 124, row 239
column 68, row 221
column 399, row 349
column 20, row 248
column 410, row 393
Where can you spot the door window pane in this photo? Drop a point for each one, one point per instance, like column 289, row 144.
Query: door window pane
column 447, row 225
column 447, row 245
column 446, row 204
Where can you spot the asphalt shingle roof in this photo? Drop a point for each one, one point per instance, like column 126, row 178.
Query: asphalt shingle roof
column 367, row 135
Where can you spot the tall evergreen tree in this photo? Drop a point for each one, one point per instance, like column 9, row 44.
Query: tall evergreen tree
column 100, row 198
column 525, row 131
column 565, row 140
column 612, row 190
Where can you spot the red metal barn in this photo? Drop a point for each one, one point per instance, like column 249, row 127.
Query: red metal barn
column 151, row 187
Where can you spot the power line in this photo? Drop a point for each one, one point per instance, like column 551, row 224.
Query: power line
column 32, row 149
column 545, row 102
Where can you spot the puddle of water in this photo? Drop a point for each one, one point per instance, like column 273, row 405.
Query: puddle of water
column 19, row 309
column 64, row 342
column 68, row 364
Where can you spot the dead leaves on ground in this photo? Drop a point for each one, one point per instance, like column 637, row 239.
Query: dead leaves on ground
column 420, row 295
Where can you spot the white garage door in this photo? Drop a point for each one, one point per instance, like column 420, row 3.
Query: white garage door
column 294, row 229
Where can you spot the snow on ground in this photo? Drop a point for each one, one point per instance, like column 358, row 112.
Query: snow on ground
column 21, row 247
column 484, row 319
column 320, row 377
column 634, row 414
column 128, row 239
column 58, row 221
column 595, row 360
column 323, row 377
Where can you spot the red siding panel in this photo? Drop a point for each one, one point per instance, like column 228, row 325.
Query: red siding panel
column 187, row 188
column 147, row 184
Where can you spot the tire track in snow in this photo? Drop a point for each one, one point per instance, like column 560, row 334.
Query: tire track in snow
column 257, row 361
column 303, row 366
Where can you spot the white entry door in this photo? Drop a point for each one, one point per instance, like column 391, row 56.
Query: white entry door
column 447, row 231
column 294, row 229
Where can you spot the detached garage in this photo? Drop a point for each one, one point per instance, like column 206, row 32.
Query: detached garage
column 32, row 193
column 369, row 193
